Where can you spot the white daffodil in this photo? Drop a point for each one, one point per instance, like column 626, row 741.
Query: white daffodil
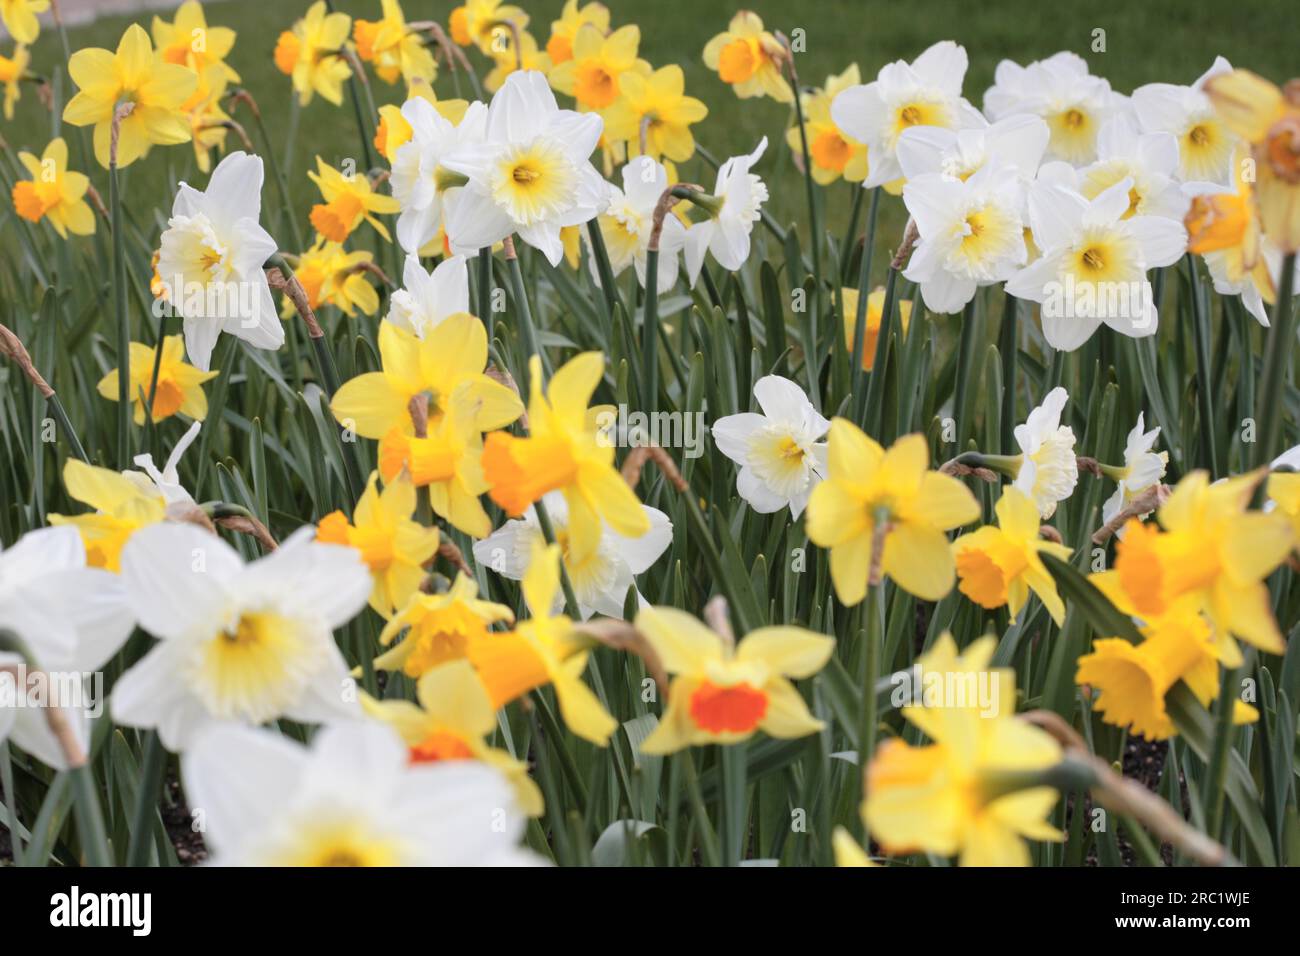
column 602, row 580
column 71, row 620
column 352, row 799
column 733, row 208
column 243, row 643
column 1148, row 160
column 168, row 481
column 971, row 233
column 1016, row 141
column 627, row 223
column 1093, row 263
column 420, row 184
column 1205, row 144
column 211, row 257
column 1074, row 103
column 780, row 452
column 925, row 92
column 531, row 175
column 1048, row 470
column 1229, row 276
column 1142, row 469
column 426, row 298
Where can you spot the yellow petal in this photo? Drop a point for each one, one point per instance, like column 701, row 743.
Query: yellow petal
column 788, row 651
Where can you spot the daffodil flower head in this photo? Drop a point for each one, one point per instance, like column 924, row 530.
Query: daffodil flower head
column 134, row 74
column 1205, row 142
column 349, row 200
column 592, row 72
column 653, row 116
column 310, row 54
column 449, row 723
column 723, row 692
column 627, row 224
column 1017, row 141
column 19, row 18
column 439, row 628
column 1048, row 469
column 179, row 386
column 124, row 503
column 13, row 70
column 1061, row 91
column 884, row 513
column 396, row 51
column 749, row 59
column 330, row 275
column 482, row 22
column 834, row 153
column 179, row 41
column 423, row 188
column 733, row 208
column 1142, row 469
column 426, row 298
column 780, row 452
column 873, row 319
column 572, row 19
column 54, row 192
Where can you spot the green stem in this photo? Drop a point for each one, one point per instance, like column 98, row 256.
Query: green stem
column 860, row 320
column 873, row 413
column 146, row 799
column 1216, row 775
column 965, row 361
column 123, row 322
column 608, row 287
column 526, row 327
column 816, row 238
column 732, row 802
column 65, row 425
column 708, row 839
column 485, row 290
column 90, row 820
column 650, row 334
column 871, row 640
column 1277, row 362
column 1007, row 346
column 1204, row 396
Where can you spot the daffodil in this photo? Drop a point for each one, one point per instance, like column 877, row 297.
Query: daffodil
column 449, row 724
column 947, row 797
column 847, row 851
column 1017, row 141
column 833, row 152
column 349, row 199
column 211, row 257
column 439, row 628
column 426, row 298
column 124, row 502
column 780, row 451
column 13, row 70
column 925, row 92
column 591, row 75
column 137, row 75
column 393, row 545
column 236, row 643
column 1283, row 489
column 566, row 452
column 722, row 692
column 1213, row 549
column 179, row 386
column 71, row 619
column 1142, row 469
column 733, row 208
column 999, row 565
column 1205, row 143
column 208, row 121
column 1059, row 89
column 601, row 583
column 310, row 54
column 654, row 115
column 397, row 51
column 54, row 192
column 509, row 58
column 450, row 357
column 572, row 19
column 545, row 649
column 394, row 130
column 874, row 319
column 352, row 799
column 1048, row 470
column 1149, row 161
column 189, row 41
column 627, row 224
column 481, row 22
column 1094, row 261
column 749, row 59
column 531, row 175
column 19, row 18
column 884, row 512
column 332, row 276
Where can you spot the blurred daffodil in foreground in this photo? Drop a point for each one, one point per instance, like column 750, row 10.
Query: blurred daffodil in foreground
column 19, row 18
column 884, row 513
column 54, row 192
column 179, row 386
column 723, row 691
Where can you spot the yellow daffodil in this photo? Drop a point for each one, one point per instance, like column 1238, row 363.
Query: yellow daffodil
column 450, row 357
column 1225, row 228
column 19, row 17
column 506, row 60
column 482, row 23
column 888, row 499
column 565, row 452
column 1283, row 490
column 450, row 722
column 332, row 276
column 834, row 153
column 349, row 199
column 1269, row 119
column 180, row 385
column 560, row 46
column 948, row 797
column 439, row 628
column 207, row 119
column 392, row 545
column 847, row 851
column 1000, row 565
column 394, row 130
column 54, row 192
column 309, row 53
column 394, row 49
column 545, row 649
column 446, row 460
column 134, row 74
column 189, row 41
column 875, row 315
column 748, row 59
column 123, row 503
column 12, row 72
column 654, row 110
column 1213, row 549
column 722, row 694
column 591, row 75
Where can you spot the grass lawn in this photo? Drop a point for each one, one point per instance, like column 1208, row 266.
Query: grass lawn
column 1166, row 40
